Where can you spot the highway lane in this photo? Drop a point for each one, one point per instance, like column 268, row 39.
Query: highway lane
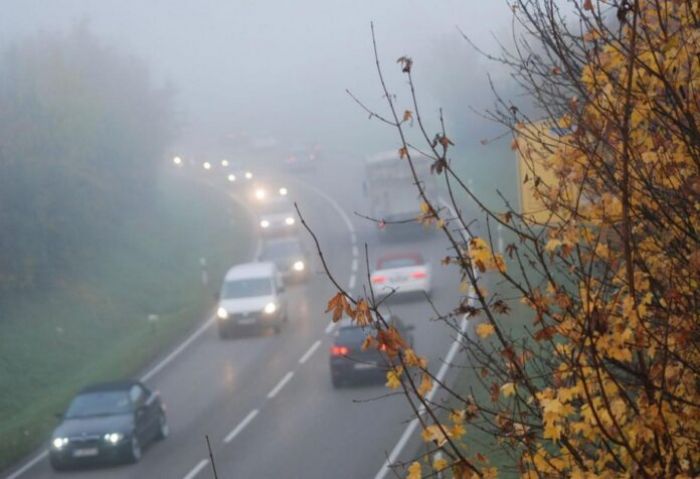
column 305, row 429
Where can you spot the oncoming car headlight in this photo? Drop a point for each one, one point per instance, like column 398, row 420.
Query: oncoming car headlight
column 298, row 266
column 222, row 313
column 260, row 193
column 264, row 224
column 113, row 437
column 248, row 175
column 270, row 308
column 283, row 191
column 59, row 442
column 289, row 220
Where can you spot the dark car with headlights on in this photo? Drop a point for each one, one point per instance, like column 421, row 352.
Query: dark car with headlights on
column 107, row 423
column 289, row 255
column 349, row 363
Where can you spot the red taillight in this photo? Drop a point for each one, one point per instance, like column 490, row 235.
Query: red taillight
column 339, row 351
column 382, row 347
column 378, row 279
column 419, row 275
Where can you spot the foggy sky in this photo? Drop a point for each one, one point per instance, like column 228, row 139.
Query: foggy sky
column 280, row 68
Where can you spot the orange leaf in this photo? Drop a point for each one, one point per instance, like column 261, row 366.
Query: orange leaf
column 338, row 304
column 403, row 152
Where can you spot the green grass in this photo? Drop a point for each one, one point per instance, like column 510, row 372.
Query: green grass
column 92, row 325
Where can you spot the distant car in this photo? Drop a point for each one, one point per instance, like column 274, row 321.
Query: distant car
column 252, row 295
column 303, row 159
column 349, row 363
column 277, row 217
column 289, row 255
column 401, row 273
column 108, row 422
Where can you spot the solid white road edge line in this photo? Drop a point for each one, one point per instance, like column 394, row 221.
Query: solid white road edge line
column 39, row 457
column 309, row 352
column 241, row 425
column 408, row 432
column 280, row 385
column 177, row 350
column 197, row 469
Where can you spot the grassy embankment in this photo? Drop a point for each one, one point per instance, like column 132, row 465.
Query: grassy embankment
column 94, row 326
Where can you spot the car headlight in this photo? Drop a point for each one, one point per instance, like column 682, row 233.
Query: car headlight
column 59, row 442
column 289, row 220
column 264, row 224
column 298, row 266
column 113, row 437
column 248, row 175
column 270, row 308
column 260, row 194
column 232, row 177
column 283, row 191
column 221, row 313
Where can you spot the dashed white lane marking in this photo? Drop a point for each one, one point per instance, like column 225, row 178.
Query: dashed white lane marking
column 330, row 327
column 355, row 250
column 408, row 432
column 280, row 385
column 177, row 350
column 241, row 425
column 351, row 284
column 197, row 469
column 309, row 352
column 353, row 237
column 354, row 265
column 29, row 465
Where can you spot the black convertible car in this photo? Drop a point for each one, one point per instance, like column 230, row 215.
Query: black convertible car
column 109, row 422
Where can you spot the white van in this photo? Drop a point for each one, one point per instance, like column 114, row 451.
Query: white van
column 252, row 296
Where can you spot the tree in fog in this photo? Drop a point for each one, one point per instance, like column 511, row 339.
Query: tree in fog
column 602, row 380
column 81, row 130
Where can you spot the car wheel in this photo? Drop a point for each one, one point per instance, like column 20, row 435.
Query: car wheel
column 224, row 332
column 56, row 464
column 163, row 427
column 337, row 382
column 134, row 454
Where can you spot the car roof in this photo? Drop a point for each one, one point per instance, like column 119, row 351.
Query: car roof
column 347, row 323
column 123, row 385
column 401, row 255
column 258, row 269
column 276, row 241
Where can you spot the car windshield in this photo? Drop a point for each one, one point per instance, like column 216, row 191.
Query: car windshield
column 350, row 334
column 402, row 262
column 281, row 249
column 104, row 403
column 246, row 288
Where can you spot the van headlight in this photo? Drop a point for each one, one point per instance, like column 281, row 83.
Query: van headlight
column 264, row 224
column 113, row 437
column 289, row 220
column 59, row 442
column 221, row 313
column 270, row 308
column 298, row 266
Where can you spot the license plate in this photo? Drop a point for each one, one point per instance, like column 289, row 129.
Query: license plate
column 93, row 451
column 399, row 279
column 246, row 321
column 365, row 366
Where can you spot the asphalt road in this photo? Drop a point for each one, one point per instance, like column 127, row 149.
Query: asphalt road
column 266, row 402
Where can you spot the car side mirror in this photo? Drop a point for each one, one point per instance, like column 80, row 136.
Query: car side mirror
column 409, row 327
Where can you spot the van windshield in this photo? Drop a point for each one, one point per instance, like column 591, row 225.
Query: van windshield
column 246, row 288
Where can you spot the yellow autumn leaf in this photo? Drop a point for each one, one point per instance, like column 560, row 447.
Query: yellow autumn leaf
column 457, row 431
column 393, row 380
column 414, row 471
column 439, row 464
column 508, row 389
column 484, row 330
column 426, row 384
column 434, row 433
